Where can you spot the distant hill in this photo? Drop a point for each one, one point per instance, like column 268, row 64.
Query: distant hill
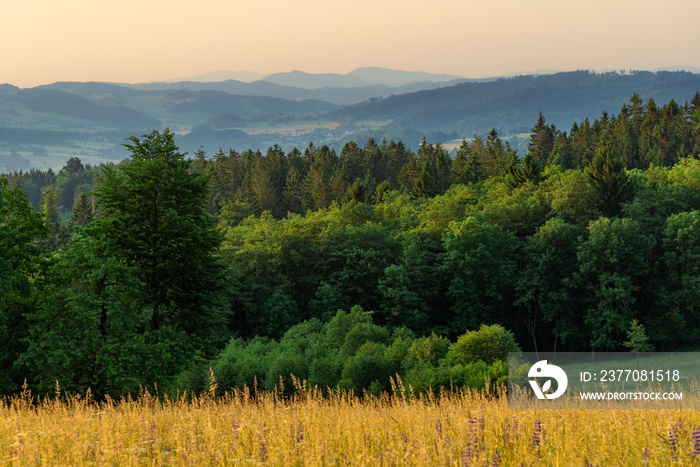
column 305, row 80
column 44, row 126
column 222, row 75
column 691, row 69
column 8, row 88
column 361, row 77
column 511, row 105
column 389, row 77
column 338, row 95
column 215, row 103
column 49, row 101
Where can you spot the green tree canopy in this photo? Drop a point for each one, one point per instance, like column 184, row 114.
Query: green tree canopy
column 152, row 217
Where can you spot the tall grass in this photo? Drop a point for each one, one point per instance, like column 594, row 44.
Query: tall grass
column 248, row 427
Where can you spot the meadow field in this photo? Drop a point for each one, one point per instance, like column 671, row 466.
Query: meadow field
column 461, row 428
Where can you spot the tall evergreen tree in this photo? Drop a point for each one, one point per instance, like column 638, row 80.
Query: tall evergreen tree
column 541, row 141
column 499, row 157
column 608, row 176
column 529, row 169
column 50, row 207
column 82, row 210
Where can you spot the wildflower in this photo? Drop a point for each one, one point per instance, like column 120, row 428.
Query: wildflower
column 673, row 439
column 473, row 438
column 466, row 456
column 696, row 441
column 537, row 435
column 297, row 434
column 438, row 426
column 263, row 448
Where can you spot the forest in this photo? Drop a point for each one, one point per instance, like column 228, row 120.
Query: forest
column 347, row 268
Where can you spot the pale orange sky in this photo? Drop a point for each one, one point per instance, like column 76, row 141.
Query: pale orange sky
column 44, row 41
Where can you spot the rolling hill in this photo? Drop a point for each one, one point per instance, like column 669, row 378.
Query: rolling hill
column 511, row 105
column 44, row 126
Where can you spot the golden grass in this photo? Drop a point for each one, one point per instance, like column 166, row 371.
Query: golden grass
column 461, row 428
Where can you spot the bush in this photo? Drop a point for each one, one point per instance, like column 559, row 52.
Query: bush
column 429, row 349
column 488, row 344
column 243, row 363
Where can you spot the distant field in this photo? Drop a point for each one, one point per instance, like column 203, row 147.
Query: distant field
column 55, row 156
column 288, row 129
column 459, row 429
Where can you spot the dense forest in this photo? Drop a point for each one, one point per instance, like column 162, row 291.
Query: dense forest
column 345, row 269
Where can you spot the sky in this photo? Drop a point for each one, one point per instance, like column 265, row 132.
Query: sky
column 43, row 41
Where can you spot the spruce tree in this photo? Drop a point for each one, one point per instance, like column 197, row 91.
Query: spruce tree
column 82, row 210
column 541, row 141
column 608, row 177
column 528, row 169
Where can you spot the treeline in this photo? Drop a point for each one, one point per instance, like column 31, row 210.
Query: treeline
column 168, row 259
column 349, row 351
column 250, row 182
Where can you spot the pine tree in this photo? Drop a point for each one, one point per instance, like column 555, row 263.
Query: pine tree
column 528, row 169
column 58, row 231
column 608, row 176
column 459, row 166
column 637, row 339
column 292, row 191
column 82, row 210
column 357, row 192
column 499, row 157
column 541, row 141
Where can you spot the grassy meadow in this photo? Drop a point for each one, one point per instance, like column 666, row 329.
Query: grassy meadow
column 249, row 428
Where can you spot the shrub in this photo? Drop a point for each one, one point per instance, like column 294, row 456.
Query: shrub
column 488, row 344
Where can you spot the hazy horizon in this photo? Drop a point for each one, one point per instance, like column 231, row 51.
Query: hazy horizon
column 249, row 76
column 134, row 42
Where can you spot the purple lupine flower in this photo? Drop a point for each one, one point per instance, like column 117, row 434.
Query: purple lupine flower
column 473, row 438
column 300, row 433
column 537, row 435
column 438, row 426
column 673, row 439
column 466, row 457
column 296, row 433
column 263, row 447
column 646, row 454
column 496, row 460
column 696, row 441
